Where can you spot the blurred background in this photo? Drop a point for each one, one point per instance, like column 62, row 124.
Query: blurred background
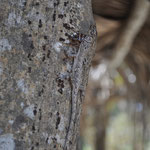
column 116, row 110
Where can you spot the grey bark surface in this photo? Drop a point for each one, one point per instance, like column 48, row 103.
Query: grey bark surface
column 40, row 41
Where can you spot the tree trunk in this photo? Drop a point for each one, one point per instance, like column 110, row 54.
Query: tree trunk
column 100, row 122
column 39, row 42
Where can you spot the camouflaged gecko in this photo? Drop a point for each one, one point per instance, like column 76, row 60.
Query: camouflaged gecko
column 76, row 77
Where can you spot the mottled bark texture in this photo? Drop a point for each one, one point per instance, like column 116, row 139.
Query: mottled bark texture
column 39, row 40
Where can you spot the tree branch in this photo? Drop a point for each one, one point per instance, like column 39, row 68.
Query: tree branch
column 128, row 34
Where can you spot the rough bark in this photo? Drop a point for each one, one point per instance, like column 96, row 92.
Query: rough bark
column 39, row 41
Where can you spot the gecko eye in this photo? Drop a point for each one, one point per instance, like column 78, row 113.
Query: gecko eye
column 93, row 30
column 88, row 39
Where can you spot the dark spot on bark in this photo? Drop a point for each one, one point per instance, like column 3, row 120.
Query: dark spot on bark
column 65, row 25
column 58, row 122
column 29, row 69
column 84, row 61
column 32, row 148
column 41, row 92
column 60, row 82
column 47, row 140
column 61, row 30
column 64, row 60
column 60, row 16
column 45, row 37
column 40, row 114
column 54, row 139
column 40, row 23
column 29, row 22
column 57, row 102
column 66, row 128
column 37, row 3
column 34, row 112
column 54, row 146
column 66, row 34
column 65, row 3
column 61, row 39
column 30, row 35
column 54, row 16
column 30, row 57
column 37, row 12
column 73, row 11
column 48, row 54
column 44, row 47
column 37, row 144
column 51, row 114
column 43, row 59
column 32, row 46
column 24, row 3
column 33, row 128
column 57, row 113
column 56, row 3
column 71, row 21
column 60, row 91
column 70, row 142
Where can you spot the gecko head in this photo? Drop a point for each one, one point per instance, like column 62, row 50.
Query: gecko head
column 89, row 39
